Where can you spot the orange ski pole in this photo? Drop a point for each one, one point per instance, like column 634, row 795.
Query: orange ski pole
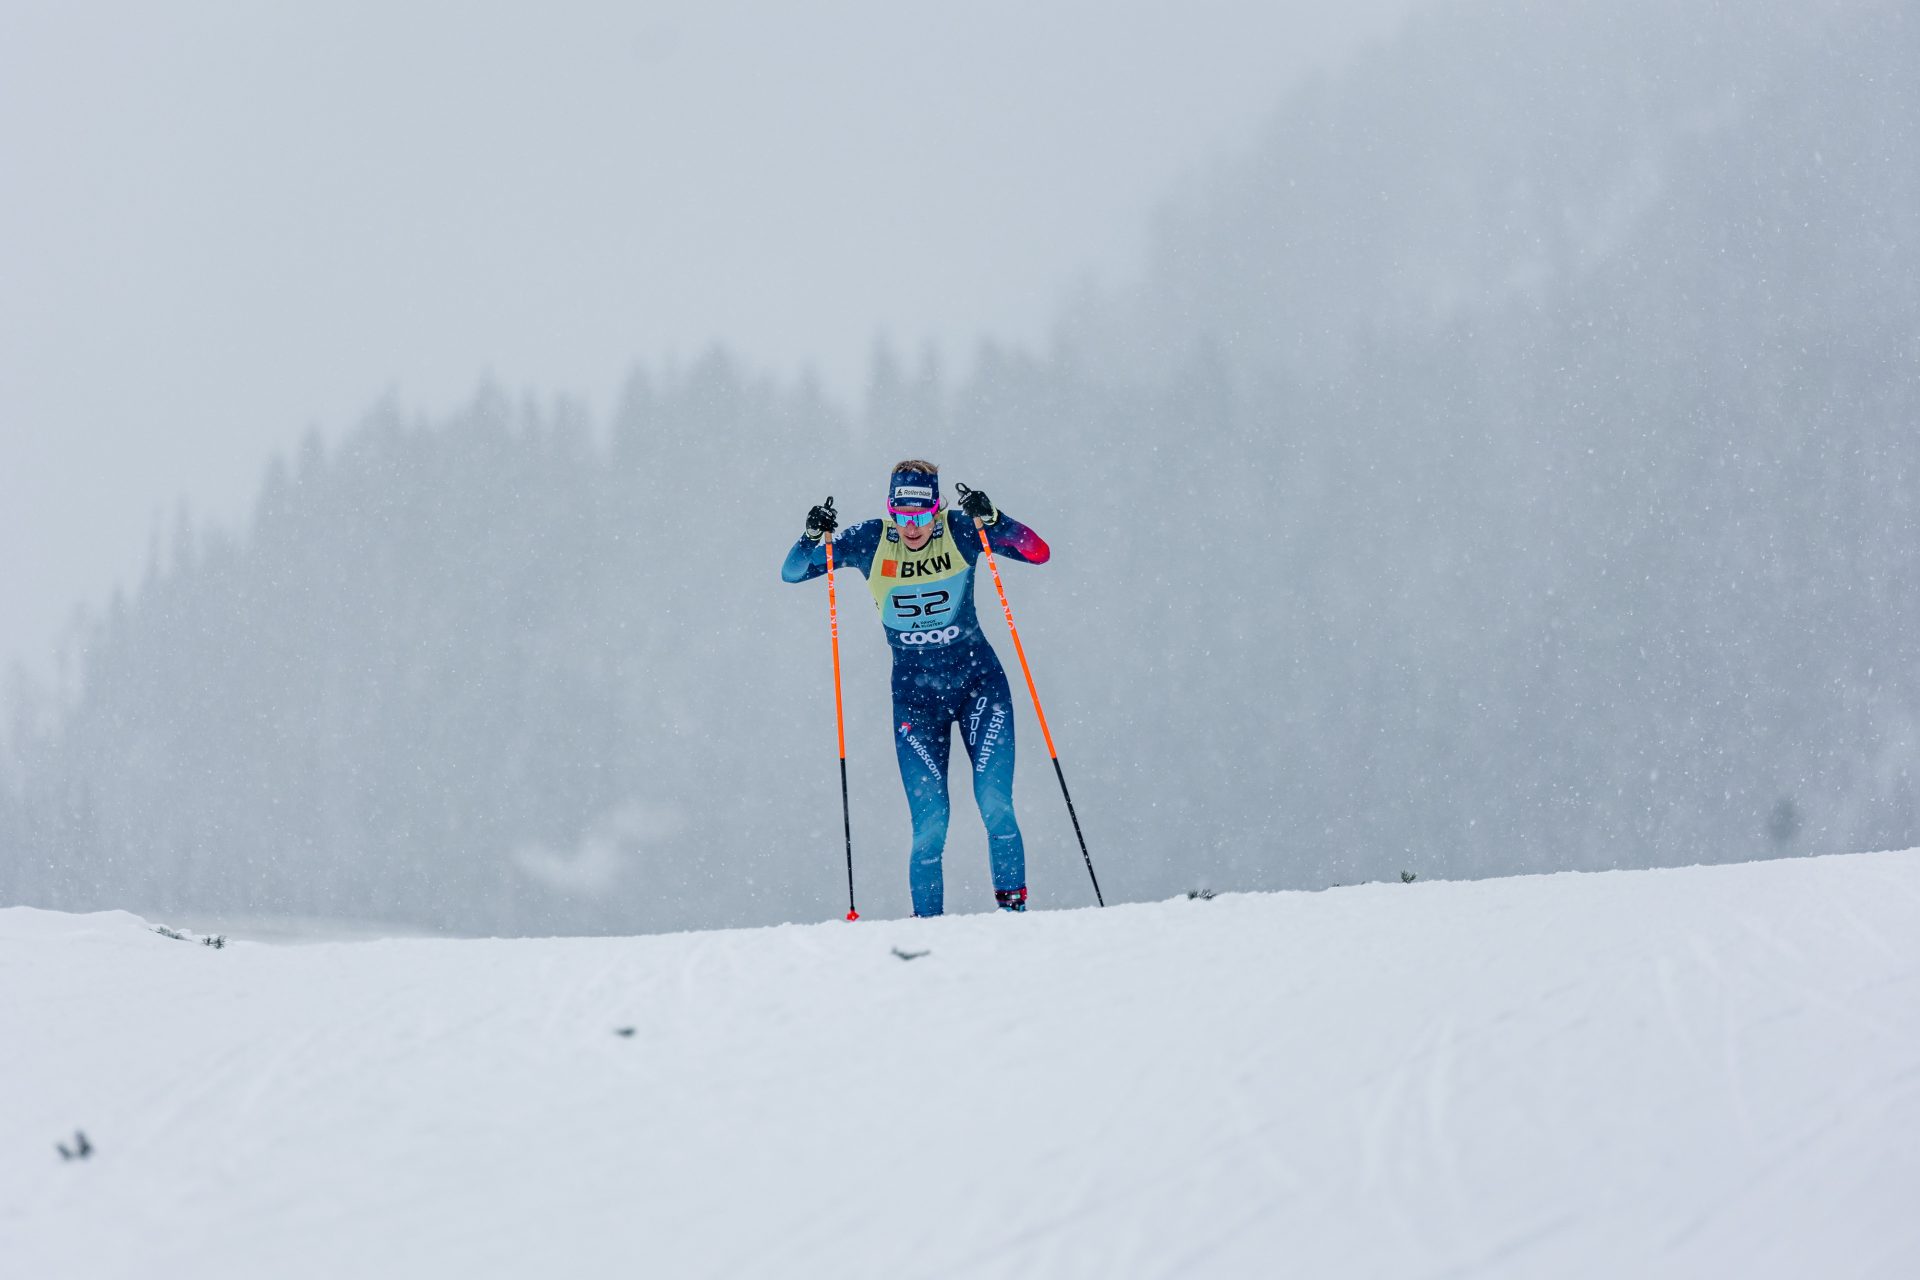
column 840, row 718
column 980, row 527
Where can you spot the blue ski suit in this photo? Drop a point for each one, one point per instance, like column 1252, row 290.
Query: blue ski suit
column 944, row 673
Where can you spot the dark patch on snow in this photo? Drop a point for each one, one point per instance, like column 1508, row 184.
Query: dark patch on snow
column 217, row 941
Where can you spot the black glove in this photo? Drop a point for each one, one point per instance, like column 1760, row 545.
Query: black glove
column 977, row 504
column 822, row 520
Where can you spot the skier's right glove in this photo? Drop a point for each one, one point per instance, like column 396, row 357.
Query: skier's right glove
column 821, row 521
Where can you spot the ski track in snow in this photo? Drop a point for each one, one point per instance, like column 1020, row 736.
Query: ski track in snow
column 1693, row 1072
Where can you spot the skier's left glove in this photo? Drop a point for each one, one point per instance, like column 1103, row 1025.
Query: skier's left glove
column 977, row 504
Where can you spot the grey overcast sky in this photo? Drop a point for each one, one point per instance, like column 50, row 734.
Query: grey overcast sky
column 223, row 223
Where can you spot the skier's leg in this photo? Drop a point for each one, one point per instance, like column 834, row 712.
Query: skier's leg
column 922, row 741
column 987, row 725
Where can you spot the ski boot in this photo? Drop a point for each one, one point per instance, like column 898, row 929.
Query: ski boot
column 1011, row 899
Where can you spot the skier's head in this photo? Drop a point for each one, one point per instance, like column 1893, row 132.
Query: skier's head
column 914, row 486
column 913, row 496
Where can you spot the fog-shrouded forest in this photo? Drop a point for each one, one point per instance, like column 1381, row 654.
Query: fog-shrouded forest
column 1508, row 465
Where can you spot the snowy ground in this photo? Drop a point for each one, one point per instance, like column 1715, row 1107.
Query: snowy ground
column 1703, row 1072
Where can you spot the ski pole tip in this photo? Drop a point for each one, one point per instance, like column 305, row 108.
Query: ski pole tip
column 853, row 915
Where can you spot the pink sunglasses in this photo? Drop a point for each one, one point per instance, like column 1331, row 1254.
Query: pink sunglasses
column 917, row 518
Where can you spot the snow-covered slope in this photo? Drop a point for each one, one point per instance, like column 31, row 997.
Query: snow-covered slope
column 1709, row 1071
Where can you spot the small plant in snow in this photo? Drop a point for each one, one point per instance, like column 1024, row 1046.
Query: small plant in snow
column 1201, row 894
column 1407, row 877
column 215, row 940
column 909, row 955
column 81, row 1149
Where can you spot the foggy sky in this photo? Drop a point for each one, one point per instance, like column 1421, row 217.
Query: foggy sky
column 224, row 225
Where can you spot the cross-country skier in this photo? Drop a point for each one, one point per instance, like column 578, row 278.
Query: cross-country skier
column 919, row 563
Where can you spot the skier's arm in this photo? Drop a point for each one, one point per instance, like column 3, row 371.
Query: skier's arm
column 807, row 559
column 1007, row 536
column 808, row 556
